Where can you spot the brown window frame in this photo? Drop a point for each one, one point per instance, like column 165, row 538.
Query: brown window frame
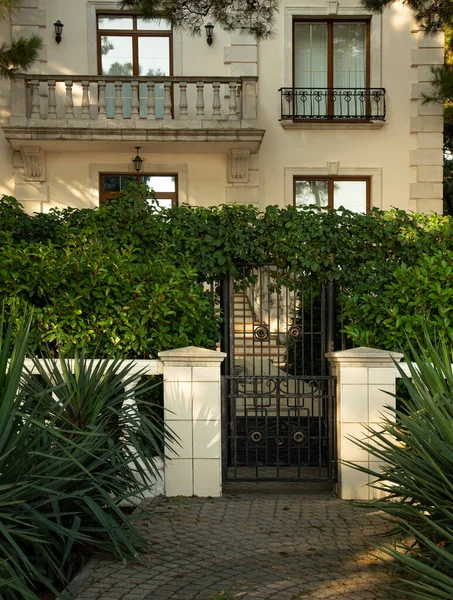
column 105, row 197
column 331, row 179
column 330, row 52
column 135, row 33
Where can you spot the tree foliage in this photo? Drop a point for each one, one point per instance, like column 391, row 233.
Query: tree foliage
column 21, row 53
column 431, row 15
column 253, row 16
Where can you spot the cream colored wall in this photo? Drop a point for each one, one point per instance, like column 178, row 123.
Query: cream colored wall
column 386, row 149
column 72, row 54
column 387, row 153
column 70, row 176
column 6, row 154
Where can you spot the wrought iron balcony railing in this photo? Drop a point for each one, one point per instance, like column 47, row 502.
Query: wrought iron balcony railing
column 333, row 104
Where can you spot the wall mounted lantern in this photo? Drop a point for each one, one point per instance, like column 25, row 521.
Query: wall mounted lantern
column 209, row 31
column 58, row 30
column 138, row 161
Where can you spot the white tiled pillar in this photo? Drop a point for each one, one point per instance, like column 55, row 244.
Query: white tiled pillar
column 364, row 378
column 192, row 411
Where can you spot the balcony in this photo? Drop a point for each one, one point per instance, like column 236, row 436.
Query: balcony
column 332, row 107
column 171, row 113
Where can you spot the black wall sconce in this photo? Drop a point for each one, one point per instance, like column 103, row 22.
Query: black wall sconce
column 58, row 30
column 209, row 31
column 138, row 161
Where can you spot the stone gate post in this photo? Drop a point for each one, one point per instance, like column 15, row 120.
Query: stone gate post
column 193, row 412
column 365, row 377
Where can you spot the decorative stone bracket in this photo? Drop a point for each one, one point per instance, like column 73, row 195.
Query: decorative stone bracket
column 34, row 162
column 238, row 165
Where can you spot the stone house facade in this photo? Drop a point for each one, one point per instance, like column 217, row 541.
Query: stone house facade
column 329, row 110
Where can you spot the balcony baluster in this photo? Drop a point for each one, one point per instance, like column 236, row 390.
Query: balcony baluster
column 200, row 99
column 102, row 113
column 52, row 101
column 216, row 103
column 151, row 110
column 167, row 100
column 85, row 100
column 118, row 100
column 35, row 108
column 233, row 102
column 69, row 101
column 183, row 105
column 135, row 101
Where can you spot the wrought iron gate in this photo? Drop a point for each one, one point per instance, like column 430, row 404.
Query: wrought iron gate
column 278, row 398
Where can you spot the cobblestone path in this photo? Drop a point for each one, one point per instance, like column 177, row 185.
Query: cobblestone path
column 270, row 546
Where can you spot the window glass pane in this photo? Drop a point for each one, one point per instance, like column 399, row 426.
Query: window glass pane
column 160, row 183
column 116, row 22
column 153, row 24
column 154, row 56
column 312, row 192
column 126, row 179
column 161, row 203
column 116, row 55
column 310, row 54
column 111, row 183
column 349, row 55
column 350, row 195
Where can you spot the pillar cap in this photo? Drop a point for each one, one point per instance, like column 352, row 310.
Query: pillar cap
column 364, row 357
column 191, row 356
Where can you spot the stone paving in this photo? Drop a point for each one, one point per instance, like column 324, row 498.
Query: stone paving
column 248, row 546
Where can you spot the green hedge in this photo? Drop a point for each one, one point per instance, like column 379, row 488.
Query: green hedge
column 129, row 278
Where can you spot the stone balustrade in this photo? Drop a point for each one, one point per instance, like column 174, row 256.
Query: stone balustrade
column 148, row 102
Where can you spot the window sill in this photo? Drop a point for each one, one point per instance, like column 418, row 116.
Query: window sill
column 351, row 125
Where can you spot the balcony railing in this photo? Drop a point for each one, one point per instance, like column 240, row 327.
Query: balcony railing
column 333, row 104
column 146, row 102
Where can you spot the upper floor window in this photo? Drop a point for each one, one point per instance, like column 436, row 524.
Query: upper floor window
column 131, row 46
column 165, row 187
column 331, row 54
column 331, row 72
column 352, row 193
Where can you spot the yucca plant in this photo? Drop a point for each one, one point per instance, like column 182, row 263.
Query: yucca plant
column 415, row 450
column 73, row 447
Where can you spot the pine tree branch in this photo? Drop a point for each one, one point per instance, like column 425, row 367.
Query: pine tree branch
column 9, row 7
column 257, row 17
column 19, row 56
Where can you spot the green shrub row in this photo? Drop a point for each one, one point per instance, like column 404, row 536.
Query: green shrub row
column 129, row 278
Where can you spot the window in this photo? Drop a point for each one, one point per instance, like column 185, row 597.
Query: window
column 352, row 193
column 331, row 62
column 130, row 46
column 165, row 186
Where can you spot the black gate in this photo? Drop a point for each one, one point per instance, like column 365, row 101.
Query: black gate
column 278, row 397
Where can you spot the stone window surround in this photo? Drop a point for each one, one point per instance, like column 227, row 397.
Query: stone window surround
column 98, row 5
column 375, row 175
column 342, row 11
column 156, row 169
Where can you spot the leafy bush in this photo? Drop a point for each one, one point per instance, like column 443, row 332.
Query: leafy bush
column 109, row 300
column 416, row 298
column 72, row 448
column 129, row 277
column 415, row 453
